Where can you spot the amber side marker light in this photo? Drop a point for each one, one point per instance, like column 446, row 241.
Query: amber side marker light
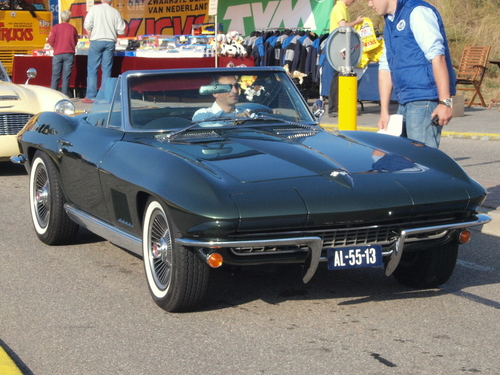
column 214, row 260
column 464, row 236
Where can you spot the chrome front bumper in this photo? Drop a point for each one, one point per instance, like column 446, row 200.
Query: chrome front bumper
column 315, row 244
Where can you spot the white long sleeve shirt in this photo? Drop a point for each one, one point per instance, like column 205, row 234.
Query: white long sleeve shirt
column 104, row 22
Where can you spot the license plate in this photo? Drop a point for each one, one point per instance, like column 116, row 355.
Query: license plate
column 354, row 257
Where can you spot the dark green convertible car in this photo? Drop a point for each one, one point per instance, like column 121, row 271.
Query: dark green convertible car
column 198, row 169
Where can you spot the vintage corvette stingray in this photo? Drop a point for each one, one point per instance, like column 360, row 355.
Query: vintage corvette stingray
column 273, row 187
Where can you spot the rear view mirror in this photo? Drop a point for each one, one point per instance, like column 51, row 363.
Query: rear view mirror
column 214, row 88
column 318, row 108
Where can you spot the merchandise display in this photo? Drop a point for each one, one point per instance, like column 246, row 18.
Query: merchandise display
column 200, row 44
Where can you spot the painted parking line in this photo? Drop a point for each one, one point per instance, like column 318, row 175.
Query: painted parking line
column 474, row 266
column 7, row 365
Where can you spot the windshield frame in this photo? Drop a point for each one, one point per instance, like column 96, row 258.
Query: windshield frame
column 129, row 78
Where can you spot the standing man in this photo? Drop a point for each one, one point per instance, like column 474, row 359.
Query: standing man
column 339, row 17
column 63, row 39
column 103, row 24
column 416, row 63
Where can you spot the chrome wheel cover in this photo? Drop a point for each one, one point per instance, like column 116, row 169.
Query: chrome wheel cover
column 160, row 250
column 41, row 196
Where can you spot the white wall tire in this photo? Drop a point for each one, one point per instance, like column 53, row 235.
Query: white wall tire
column 176, row 277
column 39, row 189
column 52, row 224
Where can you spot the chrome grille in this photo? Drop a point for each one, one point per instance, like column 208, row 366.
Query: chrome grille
column 12, row 123
column 383, row 235
column 359, row 236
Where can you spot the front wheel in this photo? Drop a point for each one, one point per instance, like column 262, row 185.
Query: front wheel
column 51, row 222
column 427, row 268
column 176, row 277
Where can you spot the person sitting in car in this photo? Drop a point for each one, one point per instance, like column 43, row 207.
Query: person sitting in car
column 225, row 102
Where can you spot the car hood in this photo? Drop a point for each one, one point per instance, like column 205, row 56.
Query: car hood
column 251, row 157
column 8, row 92
column 320, row 177
column 28, row 98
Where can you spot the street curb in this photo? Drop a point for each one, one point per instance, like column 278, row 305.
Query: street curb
column 458, row 135
column 7, row 365
column 476, row 136
column 493, row 227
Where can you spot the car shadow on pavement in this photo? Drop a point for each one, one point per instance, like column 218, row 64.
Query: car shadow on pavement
column 10, row 169
column 281, row 283
column 84, row 236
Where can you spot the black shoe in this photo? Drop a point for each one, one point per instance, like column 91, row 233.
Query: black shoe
column 333, row 114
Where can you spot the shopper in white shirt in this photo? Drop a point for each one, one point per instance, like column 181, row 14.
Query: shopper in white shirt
column 103, row 24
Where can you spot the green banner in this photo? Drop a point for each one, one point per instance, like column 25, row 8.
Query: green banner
column 246, row 16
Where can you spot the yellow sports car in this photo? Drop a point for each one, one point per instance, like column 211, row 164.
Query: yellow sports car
column 19, row 103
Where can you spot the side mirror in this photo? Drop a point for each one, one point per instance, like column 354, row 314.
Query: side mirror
column 215, row 88
column 31, row 73
column 318, row 109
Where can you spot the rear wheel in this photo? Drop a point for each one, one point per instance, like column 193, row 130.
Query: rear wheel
column 176, row 277
column 52, row 224
column 427, row 268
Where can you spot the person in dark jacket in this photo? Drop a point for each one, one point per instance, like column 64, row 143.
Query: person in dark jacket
column 63, row 39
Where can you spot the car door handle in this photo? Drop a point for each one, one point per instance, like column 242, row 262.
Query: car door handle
column 62, row 142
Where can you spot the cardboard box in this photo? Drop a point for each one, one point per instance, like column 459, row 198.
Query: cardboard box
column 457, row 104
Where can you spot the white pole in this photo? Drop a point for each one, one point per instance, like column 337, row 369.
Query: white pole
column 212, row 11
column 216, row 30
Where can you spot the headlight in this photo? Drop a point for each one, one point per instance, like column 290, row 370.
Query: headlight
column 64, row 107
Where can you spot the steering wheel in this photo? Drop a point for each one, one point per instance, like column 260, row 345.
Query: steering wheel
column 253, row 108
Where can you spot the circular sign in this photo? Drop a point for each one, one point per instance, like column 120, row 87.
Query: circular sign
column 340, row 40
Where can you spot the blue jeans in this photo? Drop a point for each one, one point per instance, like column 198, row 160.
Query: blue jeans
column 101, row 52
column 62, row 62
column 417, row 122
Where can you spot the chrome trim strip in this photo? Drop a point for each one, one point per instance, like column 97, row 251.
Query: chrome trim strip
column 398, row 249
column 105, row 230
column 315, row 245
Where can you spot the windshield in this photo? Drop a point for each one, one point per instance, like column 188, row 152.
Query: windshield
column 175, row 101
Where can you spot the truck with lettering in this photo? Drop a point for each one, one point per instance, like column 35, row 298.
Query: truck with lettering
column 24, row 26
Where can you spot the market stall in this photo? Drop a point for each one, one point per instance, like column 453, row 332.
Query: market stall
column 78, row 81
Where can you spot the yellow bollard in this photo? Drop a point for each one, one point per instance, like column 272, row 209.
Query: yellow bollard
column 348, row 101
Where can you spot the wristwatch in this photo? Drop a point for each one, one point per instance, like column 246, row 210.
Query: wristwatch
column 446, row 102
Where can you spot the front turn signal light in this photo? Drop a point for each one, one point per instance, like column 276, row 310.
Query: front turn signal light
column 214, row 260
column 464, row 236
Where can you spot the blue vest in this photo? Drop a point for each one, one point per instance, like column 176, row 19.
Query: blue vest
column 411, row 72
